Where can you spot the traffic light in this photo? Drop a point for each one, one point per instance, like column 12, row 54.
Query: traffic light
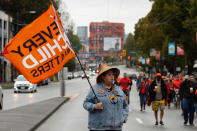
column 124, row 52
column 129, row 57
column 120, row 57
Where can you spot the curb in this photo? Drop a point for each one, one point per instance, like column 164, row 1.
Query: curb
column 50, row 114
column 30, row 117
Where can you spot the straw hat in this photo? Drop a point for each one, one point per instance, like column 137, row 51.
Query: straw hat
column 103, row 68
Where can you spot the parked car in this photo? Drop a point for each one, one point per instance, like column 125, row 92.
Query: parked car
column 23, row 85
column 70, row 76
column 44, row 82
column 1, row 98
column 92, row 74
column 76, row 75
column 83, row 76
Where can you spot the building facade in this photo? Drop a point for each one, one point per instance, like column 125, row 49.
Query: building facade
column 106, row 38
column 5, row 35
column 82, row 33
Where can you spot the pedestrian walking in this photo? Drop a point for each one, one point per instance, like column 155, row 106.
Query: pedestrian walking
column 171, row 92
column 126, row 83
column 187, row 95
column 158, row 96
column 110, row 110
column 143, row 91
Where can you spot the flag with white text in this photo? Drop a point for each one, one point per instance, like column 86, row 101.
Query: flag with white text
column 40, row 49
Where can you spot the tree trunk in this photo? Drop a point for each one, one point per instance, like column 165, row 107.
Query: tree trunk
column 190, row 66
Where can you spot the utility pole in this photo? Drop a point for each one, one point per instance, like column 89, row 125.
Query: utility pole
column 62, row 87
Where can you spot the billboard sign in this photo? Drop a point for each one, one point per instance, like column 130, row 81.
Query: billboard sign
column 112, row 44
column 158, row 55
column 171, row 48
column 147, row 61
column 180, row 50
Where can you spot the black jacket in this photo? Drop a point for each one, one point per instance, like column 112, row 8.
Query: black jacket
column 152, row 93
column 185, row 89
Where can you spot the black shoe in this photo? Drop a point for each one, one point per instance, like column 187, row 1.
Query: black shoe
column 156, row 123
column 191, row 124
column 185, row 123
column 161, row 122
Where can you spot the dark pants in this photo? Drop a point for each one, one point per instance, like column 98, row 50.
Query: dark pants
column 127, row 93
column 142, row 101
column 188, row 110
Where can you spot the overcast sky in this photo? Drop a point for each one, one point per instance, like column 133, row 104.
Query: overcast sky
column 82, row 12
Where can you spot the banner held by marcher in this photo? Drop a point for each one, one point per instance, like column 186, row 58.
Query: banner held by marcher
column 40, row 49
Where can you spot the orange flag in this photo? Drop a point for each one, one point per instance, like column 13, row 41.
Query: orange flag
column 41, row 48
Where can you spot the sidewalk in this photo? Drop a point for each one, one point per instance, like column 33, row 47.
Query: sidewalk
column 29, row 117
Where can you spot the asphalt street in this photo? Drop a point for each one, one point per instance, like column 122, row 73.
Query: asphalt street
column 72, row 117
column 13, row 100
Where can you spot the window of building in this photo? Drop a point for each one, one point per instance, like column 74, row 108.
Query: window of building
column 5, row 42
column 0, row 43
column 0, row 23
column 5, row 24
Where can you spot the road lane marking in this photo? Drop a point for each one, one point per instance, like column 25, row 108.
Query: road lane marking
column 74, row 96
column 139, row 120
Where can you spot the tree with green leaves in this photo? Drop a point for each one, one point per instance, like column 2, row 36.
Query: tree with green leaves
column 109, row 58
column 22, row 7
column 170, row 21
column 129, row 44
column 76, row 45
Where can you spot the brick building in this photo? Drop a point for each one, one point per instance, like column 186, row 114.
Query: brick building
column 105, row 38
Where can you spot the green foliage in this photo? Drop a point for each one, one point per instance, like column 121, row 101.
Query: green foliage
column 7, row 86
column 71, row 65
column 129, row 44
column 169, row 20
column 109, row 58
column 75, row 42
column 22, row 7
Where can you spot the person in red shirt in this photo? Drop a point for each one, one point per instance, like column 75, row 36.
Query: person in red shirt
column 125, row 83
column 177, row 83
column 143, row 92
column 171, row 92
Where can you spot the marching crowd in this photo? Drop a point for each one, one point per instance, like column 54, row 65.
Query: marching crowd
column 107, row 102
column 165, row 90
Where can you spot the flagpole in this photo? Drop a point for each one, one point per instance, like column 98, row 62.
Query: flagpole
column 77, row 59
column 86, row 76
